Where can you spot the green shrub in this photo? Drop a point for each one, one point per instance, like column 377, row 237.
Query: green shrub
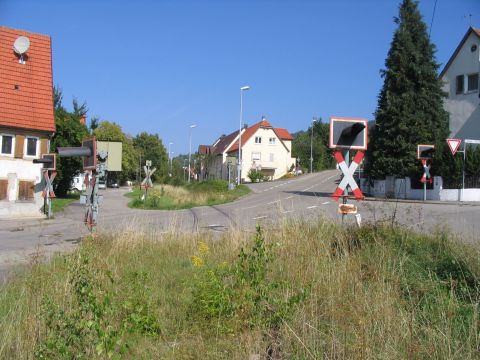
column 255, row 175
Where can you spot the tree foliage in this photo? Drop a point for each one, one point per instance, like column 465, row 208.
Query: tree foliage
column 150, row 147
column 410, row 105
column 322, row 158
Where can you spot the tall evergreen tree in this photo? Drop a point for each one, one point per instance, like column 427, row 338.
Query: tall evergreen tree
column 410, row 106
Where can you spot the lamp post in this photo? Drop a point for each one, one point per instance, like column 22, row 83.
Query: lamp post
column 311, row 146
column 170, row 158
column 239, row 166
column 190, row 149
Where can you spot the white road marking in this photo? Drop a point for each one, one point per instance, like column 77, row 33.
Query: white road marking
column 273, row 202
column 289, row 197
column 259, row 217
column 214, row 225
column 326, row 202
column 312, row 207
column 286, row 212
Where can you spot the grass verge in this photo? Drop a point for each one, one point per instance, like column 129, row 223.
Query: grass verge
column 168, row 197
column 59, row 204
column 305, row 290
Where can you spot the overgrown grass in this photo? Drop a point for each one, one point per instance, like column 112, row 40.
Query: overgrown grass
column 168, row 197
column 59, row 204
column 305, row 290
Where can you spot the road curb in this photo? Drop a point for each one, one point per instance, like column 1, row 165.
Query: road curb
column 431, row 202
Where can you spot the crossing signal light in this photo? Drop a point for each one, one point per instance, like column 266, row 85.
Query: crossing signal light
column 49, row 161
column 348, row 133
column 425, row 152
column 90, row 161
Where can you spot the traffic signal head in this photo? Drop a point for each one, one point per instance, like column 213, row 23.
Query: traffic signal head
column 425, row 152
column 90, row 162
column 49, row 161
column 348, row 134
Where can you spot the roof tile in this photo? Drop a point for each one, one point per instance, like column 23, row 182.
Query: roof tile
column 31, row 106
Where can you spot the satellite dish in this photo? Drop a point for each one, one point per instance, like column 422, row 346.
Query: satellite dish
column 21, row 45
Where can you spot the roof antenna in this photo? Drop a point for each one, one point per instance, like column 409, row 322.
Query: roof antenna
column 20, row 46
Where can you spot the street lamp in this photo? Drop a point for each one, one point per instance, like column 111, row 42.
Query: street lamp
column 170, row 157
column 190, row 149
column 239, row 166
column 311, row 146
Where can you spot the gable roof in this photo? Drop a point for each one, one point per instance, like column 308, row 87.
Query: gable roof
column 283, row 134
column 26, row 90
column 454, row 55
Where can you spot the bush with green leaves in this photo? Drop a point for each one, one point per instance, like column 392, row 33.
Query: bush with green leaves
column 255, row 175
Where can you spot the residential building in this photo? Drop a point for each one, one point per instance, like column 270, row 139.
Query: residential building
column 26, row 119
column 461, row 83
column 264, row 148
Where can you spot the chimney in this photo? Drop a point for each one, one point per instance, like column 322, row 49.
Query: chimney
column 83, row 120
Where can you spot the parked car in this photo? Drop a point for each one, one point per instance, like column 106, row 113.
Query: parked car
column 113, row 184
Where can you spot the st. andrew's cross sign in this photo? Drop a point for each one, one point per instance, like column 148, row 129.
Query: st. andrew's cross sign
column 348, row 134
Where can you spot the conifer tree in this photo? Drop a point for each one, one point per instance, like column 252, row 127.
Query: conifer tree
column 410, row 105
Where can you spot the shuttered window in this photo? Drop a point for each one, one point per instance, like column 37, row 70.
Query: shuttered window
column 3, row 189
column 25, row 190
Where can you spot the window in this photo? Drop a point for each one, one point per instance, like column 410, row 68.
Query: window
column 459, row 85
column 31, row 146
column 3, row 189
column 258, row 139
column 272, row 157
column 472, row 82
column 7, row 144
column 25, row 190
column 271, row 141
column 256, row 156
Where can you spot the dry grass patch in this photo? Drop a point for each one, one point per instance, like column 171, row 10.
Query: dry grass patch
column 299, row 291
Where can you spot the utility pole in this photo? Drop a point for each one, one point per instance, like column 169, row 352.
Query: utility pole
column 311, row 145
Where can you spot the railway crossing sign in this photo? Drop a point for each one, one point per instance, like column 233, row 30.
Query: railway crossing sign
column 48, row 190
column 454, row 144
column 348, row 179
column 426, row 173
column 147, row 182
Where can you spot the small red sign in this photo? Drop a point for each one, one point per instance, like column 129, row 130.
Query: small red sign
column 454, row 144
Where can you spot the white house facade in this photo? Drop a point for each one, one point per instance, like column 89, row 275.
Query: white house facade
column 461, row 83
column 264, row 148
column 26, row 121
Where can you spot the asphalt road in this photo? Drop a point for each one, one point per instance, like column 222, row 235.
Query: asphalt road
column 306, row 197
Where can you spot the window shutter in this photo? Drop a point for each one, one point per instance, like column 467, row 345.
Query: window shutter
column 43, row 146
column 3, row 189
column 25, row 190
column 19, row 139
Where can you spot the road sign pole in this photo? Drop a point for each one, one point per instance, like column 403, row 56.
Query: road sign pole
column 345, row 199
column 463, row 170
column 425, row 191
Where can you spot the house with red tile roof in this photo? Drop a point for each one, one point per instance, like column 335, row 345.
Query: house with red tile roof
column 27, row 120
column 264, row 148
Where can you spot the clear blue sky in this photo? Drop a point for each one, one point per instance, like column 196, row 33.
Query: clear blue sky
column 159, row 66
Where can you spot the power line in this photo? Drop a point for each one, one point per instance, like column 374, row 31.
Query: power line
column 433, row 16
